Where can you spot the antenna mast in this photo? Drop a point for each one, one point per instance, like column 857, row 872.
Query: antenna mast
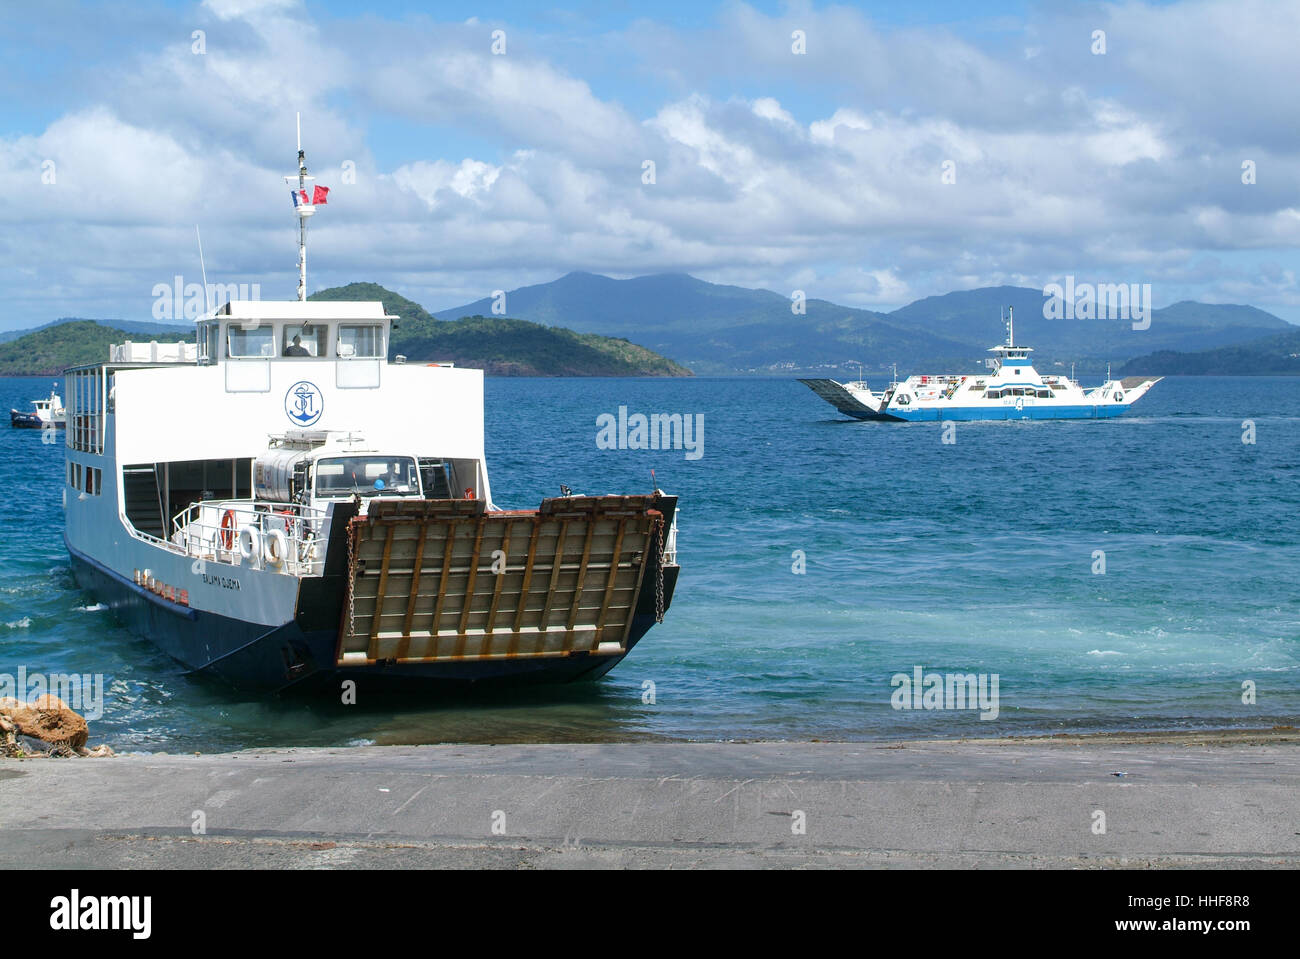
column 207, row 303
column 1011, row 326
column 303, row 206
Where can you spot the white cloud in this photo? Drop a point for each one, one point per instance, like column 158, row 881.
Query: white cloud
column 823, row 171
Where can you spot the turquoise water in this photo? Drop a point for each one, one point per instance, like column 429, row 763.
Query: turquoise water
column 970, row 557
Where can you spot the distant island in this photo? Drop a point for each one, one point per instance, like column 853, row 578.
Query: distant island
column 498, row 345
column 1268, row 356
column 505, row 347
column 585, row 324
column 52, row 349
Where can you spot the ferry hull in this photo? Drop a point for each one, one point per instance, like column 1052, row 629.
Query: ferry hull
column 973, row 413
column 301, row 656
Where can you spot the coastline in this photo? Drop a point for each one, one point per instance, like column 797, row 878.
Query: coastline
column 1179, row 801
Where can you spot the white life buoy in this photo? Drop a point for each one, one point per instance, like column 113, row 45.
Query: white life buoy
column 275, row 547
column 250, row 544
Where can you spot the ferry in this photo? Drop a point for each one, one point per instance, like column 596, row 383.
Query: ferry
column 1011, row 390
column 279, row 506
column 45, row 414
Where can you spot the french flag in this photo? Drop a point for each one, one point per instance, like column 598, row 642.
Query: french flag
column 319, row 195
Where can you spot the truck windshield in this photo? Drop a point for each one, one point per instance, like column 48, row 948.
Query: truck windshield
column 368, row 475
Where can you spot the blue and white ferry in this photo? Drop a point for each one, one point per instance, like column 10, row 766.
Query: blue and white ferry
column 1011, row 390
column 279, row 505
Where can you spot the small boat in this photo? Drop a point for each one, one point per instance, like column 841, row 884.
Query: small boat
column 48, row 413
column 1011, row 390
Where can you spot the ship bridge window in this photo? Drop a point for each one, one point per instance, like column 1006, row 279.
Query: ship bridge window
column 258, row 341
column 208, row 333
column 367, row 476
column 365, row 341
column 307, row 340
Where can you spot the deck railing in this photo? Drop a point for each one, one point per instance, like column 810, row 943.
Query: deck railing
column 281, row 537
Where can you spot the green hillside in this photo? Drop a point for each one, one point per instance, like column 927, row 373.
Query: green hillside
column 502, row 346
column 1268, row 356
column 50, row 351
column 506, row 347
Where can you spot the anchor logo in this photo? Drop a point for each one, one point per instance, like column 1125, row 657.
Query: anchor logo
column 303, row 403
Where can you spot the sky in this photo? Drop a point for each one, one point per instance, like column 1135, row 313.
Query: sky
column 869, row 154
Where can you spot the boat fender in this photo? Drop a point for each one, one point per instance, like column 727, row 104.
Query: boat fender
column 275, row 547
column 227, row 533
column 249, row 542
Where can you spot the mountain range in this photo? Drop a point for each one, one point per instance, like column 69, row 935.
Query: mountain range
column 587, row 324
column 713, row 328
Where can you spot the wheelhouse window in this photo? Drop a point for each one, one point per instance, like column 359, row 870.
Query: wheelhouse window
column 367, row 476
column 360, row 341
column 207, row 341
column 256, row 342
column 307, row 340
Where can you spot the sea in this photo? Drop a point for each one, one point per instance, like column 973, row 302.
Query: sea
column 1139, row 573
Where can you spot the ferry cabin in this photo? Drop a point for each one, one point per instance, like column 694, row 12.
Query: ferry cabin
column 178, row 423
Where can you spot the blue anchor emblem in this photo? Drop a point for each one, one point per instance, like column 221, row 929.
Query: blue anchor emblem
column 303, row 403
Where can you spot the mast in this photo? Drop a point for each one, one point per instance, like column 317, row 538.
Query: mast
column 1011, row 326
column 304, row 208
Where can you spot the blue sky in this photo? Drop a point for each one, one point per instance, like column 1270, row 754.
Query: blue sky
column 913, row 149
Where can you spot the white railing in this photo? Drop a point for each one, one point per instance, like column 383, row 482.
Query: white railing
column 153, row 352
column 280, row 537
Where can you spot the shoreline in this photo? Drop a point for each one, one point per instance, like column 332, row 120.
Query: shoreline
column 1185, row 802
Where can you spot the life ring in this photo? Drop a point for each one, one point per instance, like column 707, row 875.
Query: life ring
column 275, row 547
column 250, row 544
column 469, row 492
column 227, row 534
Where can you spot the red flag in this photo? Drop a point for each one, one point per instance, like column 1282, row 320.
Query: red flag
column 318, row 195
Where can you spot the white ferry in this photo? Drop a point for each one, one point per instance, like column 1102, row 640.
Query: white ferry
column 45, row 414
column 1011, row 390
column 278, row 505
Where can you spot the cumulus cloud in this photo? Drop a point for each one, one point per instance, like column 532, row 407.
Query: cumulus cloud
column 884, row 164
